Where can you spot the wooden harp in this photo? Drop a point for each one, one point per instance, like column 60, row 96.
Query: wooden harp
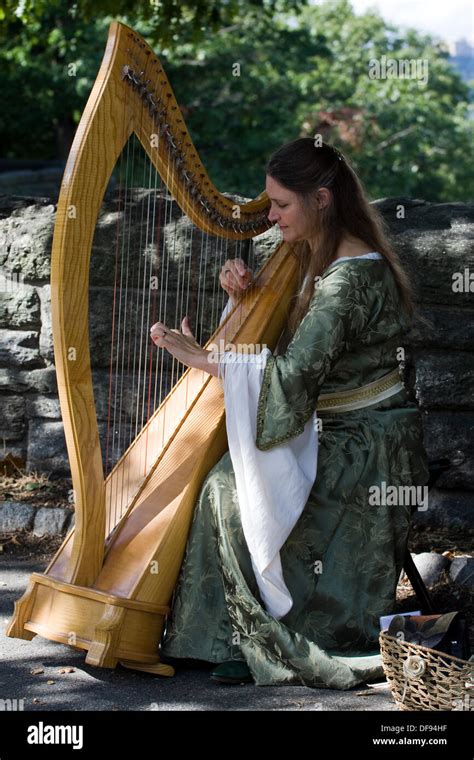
column 109, row 586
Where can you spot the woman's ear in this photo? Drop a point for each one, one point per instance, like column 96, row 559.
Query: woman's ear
column 323, row 197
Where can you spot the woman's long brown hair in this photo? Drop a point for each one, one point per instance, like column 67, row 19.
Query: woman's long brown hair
column 303, row 168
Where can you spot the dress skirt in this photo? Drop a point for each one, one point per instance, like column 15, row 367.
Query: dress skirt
column 341, row 562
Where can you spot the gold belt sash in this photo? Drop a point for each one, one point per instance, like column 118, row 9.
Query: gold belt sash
column 366, row 395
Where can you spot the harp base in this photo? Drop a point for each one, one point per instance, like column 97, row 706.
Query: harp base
column 23, row 606
column 112, row 629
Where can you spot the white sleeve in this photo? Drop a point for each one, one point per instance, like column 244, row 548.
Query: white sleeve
column 227, row 309
column 272, row 486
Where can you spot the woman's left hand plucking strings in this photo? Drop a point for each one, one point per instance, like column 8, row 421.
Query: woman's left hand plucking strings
column 183, row 346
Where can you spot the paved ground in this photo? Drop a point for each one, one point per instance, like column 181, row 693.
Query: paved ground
column 90, row 688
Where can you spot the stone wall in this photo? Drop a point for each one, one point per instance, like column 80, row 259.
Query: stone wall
column 434, row 241
column 30, row 415
column 436, row 244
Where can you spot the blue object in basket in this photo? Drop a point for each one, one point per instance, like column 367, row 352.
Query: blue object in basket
column 385, row 620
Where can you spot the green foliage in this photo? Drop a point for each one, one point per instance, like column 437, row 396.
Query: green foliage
column 408, row 138
column 237, row 121
column 44, row 100
column 303, row 69
column 172, row 21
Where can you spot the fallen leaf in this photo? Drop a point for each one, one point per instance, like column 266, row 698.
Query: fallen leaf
column 50, row 682
column 67, row 670
column 36, row 671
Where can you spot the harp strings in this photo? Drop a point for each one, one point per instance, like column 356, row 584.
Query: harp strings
column 172, row 270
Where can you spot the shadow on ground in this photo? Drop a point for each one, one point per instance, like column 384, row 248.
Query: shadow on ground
column 31, row 671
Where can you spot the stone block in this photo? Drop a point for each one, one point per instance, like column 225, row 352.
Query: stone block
column 12, row 417
column 47, row 447
column 430, row 565
column 26, row 239
column 445, row 380
column 15, row 516
column 450, row 434
column 20, row 308
column 43, row 406
column 462, row 571
column 51, row 521
column 448, row 509
column 19, row 349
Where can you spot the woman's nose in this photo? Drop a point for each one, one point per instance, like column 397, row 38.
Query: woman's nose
column 272, row 216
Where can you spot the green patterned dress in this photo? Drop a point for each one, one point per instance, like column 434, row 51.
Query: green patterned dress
column 342, row 560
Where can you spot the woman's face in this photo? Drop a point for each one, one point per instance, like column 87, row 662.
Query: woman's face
column 286, row 211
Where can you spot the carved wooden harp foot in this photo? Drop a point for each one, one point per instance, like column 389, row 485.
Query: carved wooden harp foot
column 159, row 669
column 108, row 588
column 23, row 606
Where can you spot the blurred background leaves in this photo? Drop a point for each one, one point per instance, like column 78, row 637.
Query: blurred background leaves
column 303, row 69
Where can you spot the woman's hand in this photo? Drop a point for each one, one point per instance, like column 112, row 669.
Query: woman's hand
column 183, row 346
column 234, row 278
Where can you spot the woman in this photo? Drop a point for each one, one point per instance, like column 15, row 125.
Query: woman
column 309, row 613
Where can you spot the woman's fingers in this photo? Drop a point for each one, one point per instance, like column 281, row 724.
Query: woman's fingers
column 235, row 275
column 162, row 335
column 157, row 330
column 186, row 328
column 158, row 333
column 181, row 344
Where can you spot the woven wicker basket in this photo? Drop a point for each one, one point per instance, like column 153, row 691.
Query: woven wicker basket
column 425, row 679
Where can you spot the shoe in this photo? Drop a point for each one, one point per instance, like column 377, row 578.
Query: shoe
column 233, row 671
